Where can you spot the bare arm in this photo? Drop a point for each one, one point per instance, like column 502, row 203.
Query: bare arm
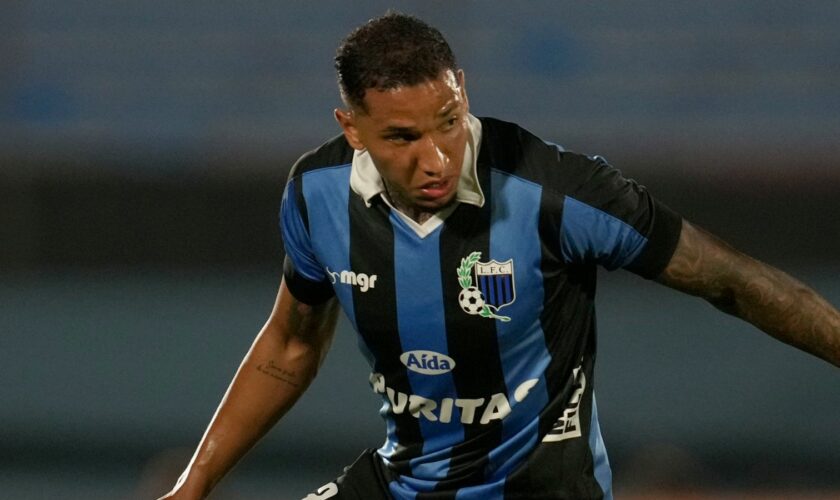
column 278, row 368
column 737, row 284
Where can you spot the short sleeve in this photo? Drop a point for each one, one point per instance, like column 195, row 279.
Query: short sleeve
column 304, row 275
column 613, row 221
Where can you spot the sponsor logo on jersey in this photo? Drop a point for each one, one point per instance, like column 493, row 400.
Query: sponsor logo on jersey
column 364, row 281
column 427, row 362
column 472, row 410
column 496, row 286
column 328, row 490
column 568, row 425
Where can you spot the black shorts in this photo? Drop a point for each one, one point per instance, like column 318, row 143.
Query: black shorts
column 363, row 480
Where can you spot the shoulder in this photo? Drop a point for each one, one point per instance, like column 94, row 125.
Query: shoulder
column 333, row 153
column 511, row 149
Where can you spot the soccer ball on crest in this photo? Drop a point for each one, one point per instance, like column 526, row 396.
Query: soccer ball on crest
column 471, row 300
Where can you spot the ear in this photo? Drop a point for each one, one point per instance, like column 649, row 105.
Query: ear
column 346, row 119
column 461, row 84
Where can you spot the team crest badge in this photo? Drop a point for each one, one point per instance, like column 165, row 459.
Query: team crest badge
column 494, row 286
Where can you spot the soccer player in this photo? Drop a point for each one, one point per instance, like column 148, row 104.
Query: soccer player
column 463, row 250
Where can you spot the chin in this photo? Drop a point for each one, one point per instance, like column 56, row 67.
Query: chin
column 435, row 204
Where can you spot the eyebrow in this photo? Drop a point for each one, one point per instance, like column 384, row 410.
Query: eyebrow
column 448, row 109
column 395, row 129
column 398, row 130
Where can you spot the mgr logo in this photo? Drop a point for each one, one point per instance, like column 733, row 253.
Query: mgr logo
column 363, row 281
column 495, row 286
column 427, row 362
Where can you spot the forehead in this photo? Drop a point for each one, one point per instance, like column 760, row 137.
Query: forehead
column 428, row 99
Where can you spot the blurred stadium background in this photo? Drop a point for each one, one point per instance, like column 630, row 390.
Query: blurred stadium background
column 143, row 150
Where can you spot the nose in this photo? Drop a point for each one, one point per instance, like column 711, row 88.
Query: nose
column 430, row 158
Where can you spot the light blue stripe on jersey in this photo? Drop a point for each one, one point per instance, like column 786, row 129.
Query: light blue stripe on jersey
column 327, row 198
column 423, row 327
column 515, row 234
column 592, row 235
column 399, row 492
column 296, row 239
column 603, row 473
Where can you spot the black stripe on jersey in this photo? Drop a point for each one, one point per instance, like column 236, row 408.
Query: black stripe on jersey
column 562, row 469
column 566, row 288
column 372, row 248
column 301, row 201
column 471, row 341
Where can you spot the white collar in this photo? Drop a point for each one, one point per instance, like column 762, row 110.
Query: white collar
column 367, row 183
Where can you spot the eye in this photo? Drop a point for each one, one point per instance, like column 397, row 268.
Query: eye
column 398, row 138
column 401, row 136
column 450, row 122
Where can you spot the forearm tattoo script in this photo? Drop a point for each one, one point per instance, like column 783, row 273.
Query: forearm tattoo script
column 271, row 369
column 310, row 329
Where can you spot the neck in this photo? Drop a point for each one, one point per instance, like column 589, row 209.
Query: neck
column 416, row 214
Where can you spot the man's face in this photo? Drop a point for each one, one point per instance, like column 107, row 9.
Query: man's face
column 416, row 137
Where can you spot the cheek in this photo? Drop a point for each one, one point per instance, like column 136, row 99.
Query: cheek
column 456, row 154
column 392, row 166
column 454, row 149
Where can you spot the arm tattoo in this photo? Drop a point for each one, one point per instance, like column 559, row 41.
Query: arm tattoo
column 273, row 370
column 760, row 294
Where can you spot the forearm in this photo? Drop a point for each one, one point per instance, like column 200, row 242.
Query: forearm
column 278, row 368
column 267, row 384
column 788, row 310
column 768, row 298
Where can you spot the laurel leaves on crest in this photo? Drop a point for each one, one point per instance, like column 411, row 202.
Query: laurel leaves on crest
column 465, row 270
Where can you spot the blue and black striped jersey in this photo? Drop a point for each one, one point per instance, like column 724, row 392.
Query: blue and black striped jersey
column 481, row 334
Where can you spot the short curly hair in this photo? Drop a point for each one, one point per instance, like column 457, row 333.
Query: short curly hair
column 389, row 52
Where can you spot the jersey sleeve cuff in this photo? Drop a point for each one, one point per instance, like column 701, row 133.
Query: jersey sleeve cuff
column 304, row 290
column 662, row 242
